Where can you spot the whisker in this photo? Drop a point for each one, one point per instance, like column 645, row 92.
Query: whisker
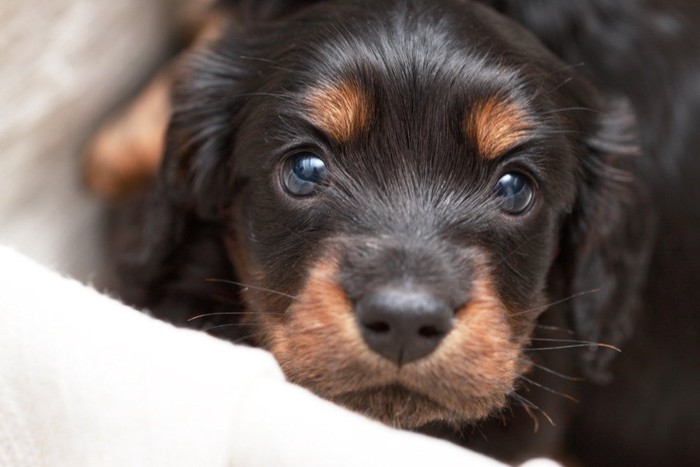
column 228, row 325
column 541, row 307
column 516, row 250
column 553, row 372
column 254, row 287
column 533, row 417
column 563, row 83
column 478, row 429
column 573, row 346
column 572, row 341
column 269, row 326
column 523, row 400
column 506, row 262
column 554, row 328
column 249, row 336
column 571, row 67
column 223, row 313
column 567, row 109
column 262, row 333
column 548, row 389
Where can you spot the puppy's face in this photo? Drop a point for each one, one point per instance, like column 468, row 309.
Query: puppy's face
column 398, row 178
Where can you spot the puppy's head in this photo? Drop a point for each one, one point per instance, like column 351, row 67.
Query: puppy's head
column 394, row 180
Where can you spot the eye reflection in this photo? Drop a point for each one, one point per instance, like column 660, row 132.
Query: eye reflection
column 516, row 193
column 303, row 173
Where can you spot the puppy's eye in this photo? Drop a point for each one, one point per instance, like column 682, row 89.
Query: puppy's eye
column 516, row 193
column 302, row 173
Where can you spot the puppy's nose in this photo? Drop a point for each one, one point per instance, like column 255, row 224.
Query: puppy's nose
column 402, row 325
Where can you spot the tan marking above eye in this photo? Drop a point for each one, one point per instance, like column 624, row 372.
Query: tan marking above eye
column 496, row 125
column 342, row 110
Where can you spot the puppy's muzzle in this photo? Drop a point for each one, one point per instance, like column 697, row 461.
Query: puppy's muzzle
column 405, row 293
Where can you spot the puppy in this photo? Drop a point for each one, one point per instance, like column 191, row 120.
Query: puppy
column 431, row 218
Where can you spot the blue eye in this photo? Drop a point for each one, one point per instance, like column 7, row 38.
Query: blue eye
column 302, row 173
column 516, row 193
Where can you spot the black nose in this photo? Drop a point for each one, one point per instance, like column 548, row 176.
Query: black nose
column 402, row 325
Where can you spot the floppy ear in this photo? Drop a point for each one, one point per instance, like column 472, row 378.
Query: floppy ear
column 608, row 239
column 171, row 241
column 199, row 142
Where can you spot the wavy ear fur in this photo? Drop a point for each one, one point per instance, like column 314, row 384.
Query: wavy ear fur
column 607, row 240
column 167, row 261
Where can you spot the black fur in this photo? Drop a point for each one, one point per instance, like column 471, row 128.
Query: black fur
column 616, row 228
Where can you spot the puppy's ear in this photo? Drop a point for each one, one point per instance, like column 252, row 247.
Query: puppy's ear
column 196, row 170
column 608, row 239
column 171, row 243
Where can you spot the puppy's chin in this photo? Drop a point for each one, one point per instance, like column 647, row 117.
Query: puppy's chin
column 401, row 407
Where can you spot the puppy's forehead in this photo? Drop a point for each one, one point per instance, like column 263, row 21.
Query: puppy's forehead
column 415, row 69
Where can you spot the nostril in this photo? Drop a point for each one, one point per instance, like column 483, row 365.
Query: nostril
column 430, row 332
column 379, row 327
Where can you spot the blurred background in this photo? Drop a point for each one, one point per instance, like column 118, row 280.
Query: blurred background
column 66, row 65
